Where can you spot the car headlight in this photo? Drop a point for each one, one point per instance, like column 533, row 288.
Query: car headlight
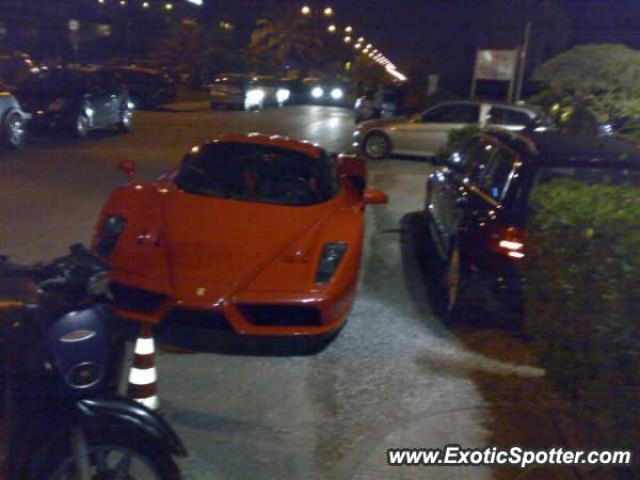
column 332, row 255
column 283, row 94
column 57, row 105
column 110, row 232
column 337, row 93
column 255, row 96
column 317, row 92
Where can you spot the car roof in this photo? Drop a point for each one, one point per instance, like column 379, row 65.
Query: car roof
column 511, row 106
column 306, row 147
column 560, row 147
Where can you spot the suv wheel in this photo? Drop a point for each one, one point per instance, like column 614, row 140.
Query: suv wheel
column 377, row 145
column 14, row 131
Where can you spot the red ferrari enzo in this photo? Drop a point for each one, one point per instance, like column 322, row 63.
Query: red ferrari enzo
column 257, row 234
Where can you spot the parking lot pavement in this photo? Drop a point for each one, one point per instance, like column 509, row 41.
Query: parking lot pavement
column 394, row 377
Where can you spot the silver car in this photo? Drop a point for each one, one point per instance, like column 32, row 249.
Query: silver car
column 424, row 133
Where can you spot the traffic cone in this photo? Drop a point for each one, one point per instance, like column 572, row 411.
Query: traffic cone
column 143, row 378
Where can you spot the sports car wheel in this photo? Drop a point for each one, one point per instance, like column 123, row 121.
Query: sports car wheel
column 377, row 145
column 81, row 127
column 14, row 132
column 126, row 121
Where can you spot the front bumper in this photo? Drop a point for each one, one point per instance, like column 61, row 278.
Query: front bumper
column 262, row 314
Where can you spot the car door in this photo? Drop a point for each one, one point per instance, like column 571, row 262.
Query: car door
column 446, row 190
column 425, row 134
column 486, row 187
column 508, row 118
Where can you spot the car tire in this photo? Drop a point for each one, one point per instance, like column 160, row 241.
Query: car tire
column 81, row 126
column 126, row 121
column 376, row 145
column 13, row 131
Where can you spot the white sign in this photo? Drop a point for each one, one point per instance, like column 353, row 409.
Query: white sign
column 496, row 64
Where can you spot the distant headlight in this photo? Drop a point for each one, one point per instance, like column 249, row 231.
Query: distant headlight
column 131, row 105
column 332, row 255
column 283, row 94
column 112, row 228
column 255, row 96
column 317, row 92
column 57, row 105
column 337, row 93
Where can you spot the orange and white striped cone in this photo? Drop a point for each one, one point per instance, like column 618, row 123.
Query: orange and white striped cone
column 143, row 378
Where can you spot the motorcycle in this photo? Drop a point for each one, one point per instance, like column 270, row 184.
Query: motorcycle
column 62, row 420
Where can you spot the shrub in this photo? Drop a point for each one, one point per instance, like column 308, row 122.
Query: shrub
column 582, row 299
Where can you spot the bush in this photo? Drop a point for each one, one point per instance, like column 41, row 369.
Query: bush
column 455, row 141
column 582, row 298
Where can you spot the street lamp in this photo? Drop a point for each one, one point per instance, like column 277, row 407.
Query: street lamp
column 306, row 10
column 145, row 4
column 328, row 12
column 347, row 39
column 357, row 46
column 331, row 28
column 361, row 39
column 168, row 7
column 348, row 29
column 122, row 3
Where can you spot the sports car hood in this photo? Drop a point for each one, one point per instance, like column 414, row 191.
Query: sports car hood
column 216, row 247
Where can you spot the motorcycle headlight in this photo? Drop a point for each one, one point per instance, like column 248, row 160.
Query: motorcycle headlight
column 337, row 93
column 112, row 228
column 283, row 94
column 332, row 255
column 57, row 105
column 255, row 96
column 317, row 92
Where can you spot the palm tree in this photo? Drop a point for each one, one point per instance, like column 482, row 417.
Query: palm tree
column 193, row 50
column 289, row 39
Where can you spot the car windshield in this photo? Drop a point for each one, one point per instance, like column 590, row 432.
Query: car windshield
column 258, row 173
column 55, row 81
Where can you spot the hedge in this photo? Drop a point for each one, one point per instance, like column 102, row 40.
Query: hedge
column 582, row 298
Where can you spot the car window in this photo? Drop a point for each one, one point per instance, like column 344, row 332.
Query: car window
column 464, row 160
column 455, row 113
column 258, row 173
column 496, row 174
column 508, row 116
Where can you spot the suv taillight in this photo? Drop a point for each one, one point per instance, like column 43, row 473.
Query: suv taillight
column 507, row 240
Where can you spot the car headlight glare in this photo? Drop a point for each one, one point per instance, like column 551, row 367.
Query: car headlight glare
column 332, row 255
column 255, row 96
column 112, row 228
column 337, row 93
column 283, row 94
column 317, row 92
column 57, row 105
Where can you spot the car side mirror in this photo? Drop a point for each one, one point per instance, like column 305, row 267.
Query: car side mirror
column 373, row 196
column 128, row 167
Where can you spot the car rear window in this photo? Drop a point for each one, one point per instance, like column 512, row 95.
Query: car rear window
column 258, row 173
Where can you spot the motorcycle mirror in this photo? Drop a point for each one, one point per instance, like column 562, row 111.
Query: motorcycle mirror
column 128, row 167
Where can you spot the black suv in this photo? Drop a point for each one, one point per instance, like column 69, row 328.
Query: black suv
column 478, row 205
column 76, row 99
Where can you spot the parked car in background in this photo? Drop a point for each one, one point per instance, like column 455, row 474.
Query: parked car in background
column 424, row 133
column 234, row 90
column 478, row 206
column 147, row 88
column 13, row 121
column 76, row 100
column 253, row 234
